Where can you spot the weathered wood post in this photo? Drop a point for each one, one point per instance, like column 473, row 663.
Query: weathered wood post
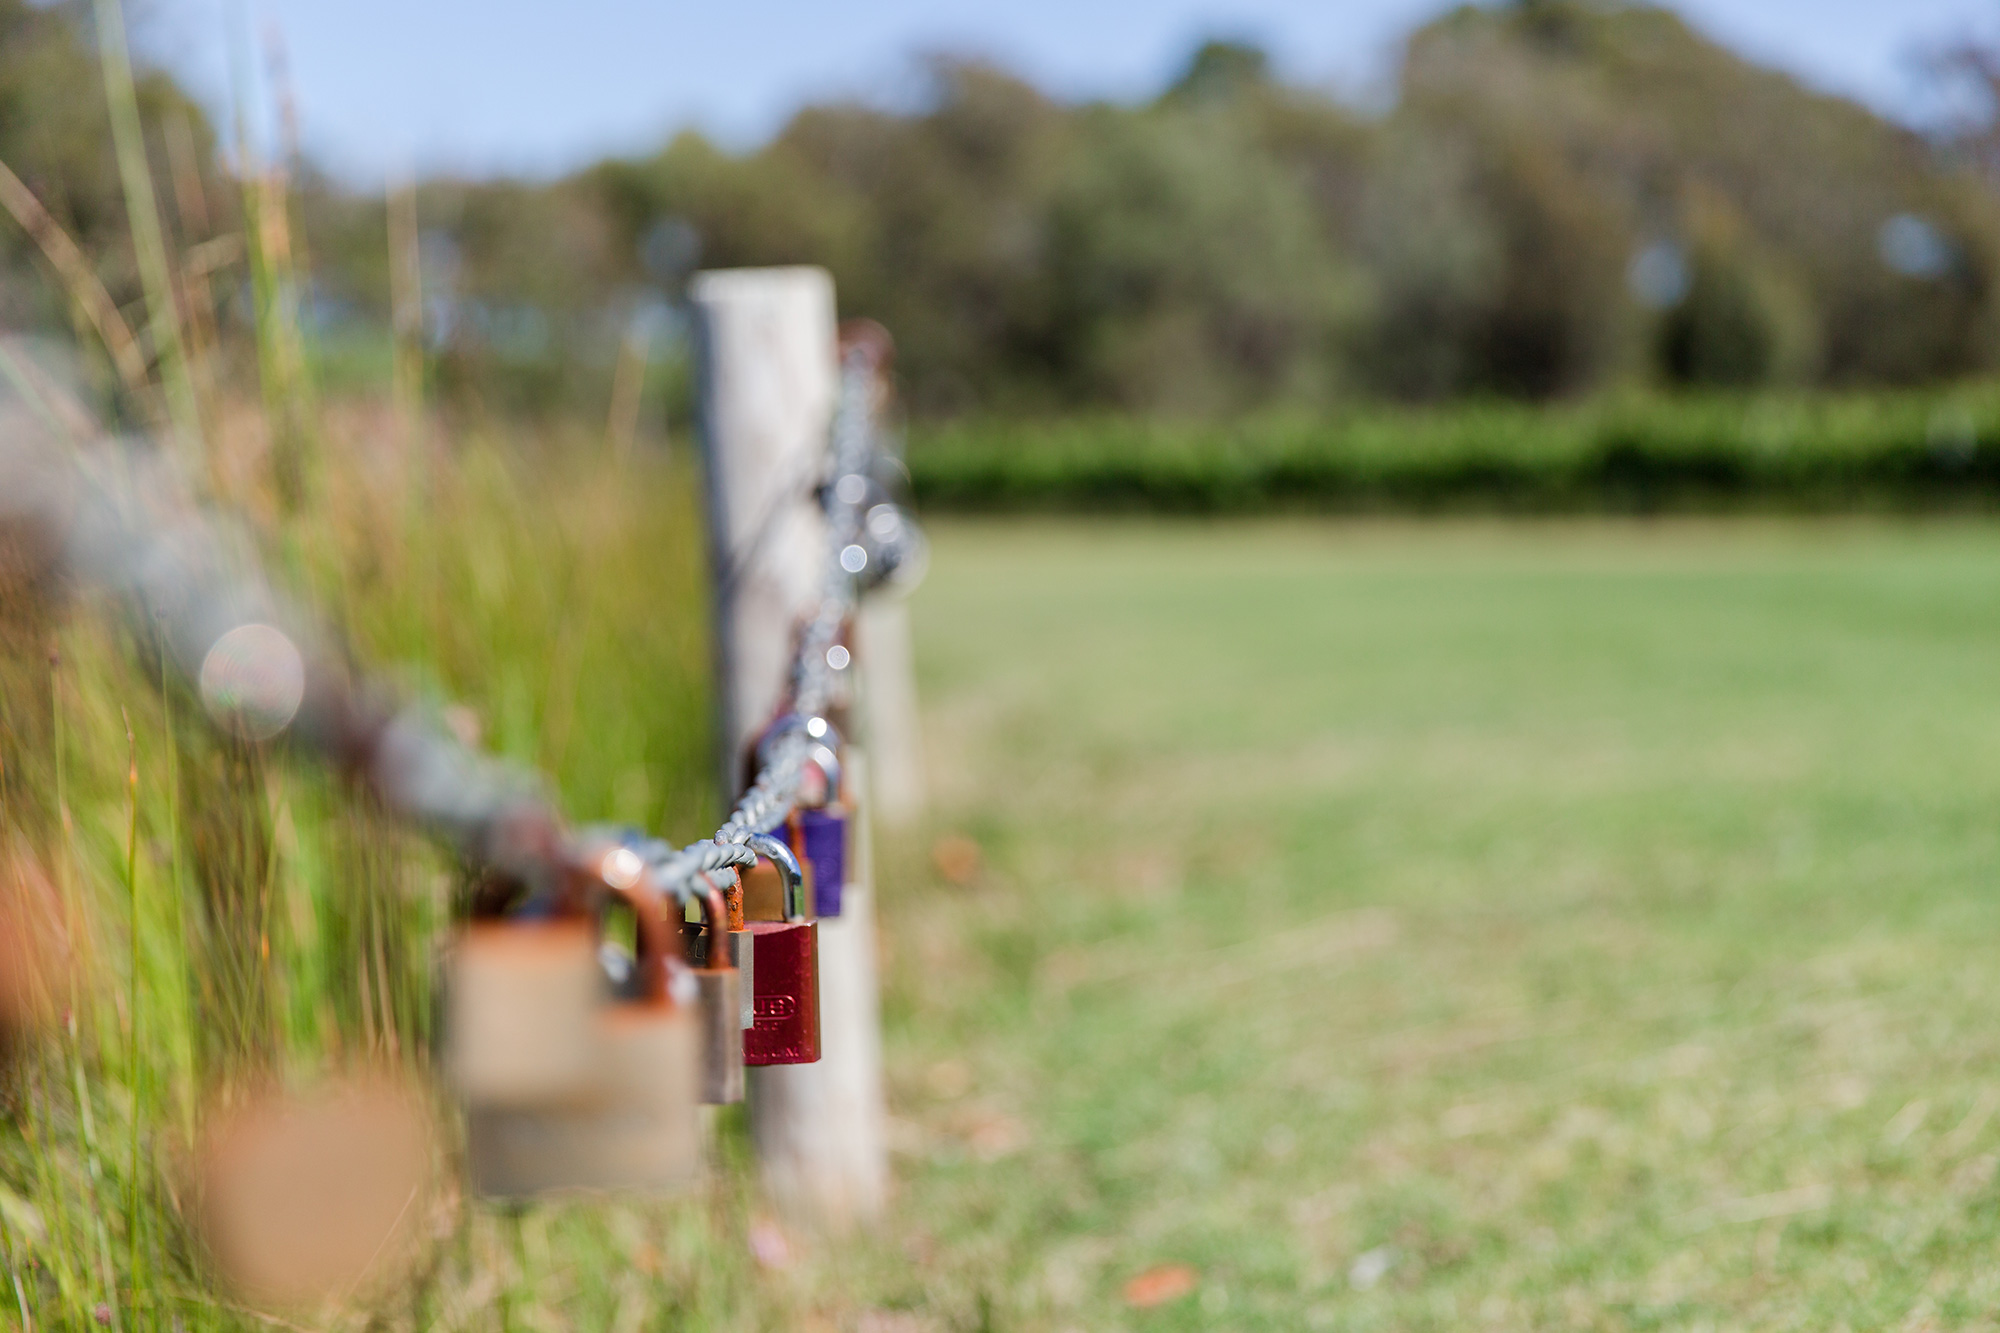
column 769, row 379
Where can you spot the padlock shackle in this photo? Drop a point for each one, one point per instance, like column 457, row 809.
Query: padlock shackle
column 827, row 761
column 650, row 913
column 778, row 854
column 732, row 897
column 823, row 755
column 715, row 914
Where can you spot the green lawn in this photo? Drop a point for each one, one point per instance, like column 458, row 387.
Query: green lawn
column 1444, row 926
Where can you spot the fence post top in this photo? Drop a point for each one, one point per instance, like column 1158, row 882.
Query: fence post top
column 723, row 284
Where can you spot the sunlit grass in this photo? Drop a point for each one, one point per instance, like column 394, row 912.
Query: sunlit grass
column 1433, row 927
column 240, row 916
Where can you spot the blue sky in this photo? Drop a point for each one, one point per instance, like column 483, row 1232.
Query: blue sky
column 486, row 86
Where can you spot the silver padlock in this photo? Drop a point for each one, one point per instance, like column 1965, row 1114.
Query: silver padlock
column 637, row 1127
column 721, row 1006
column 741, row 942
column 742, row 946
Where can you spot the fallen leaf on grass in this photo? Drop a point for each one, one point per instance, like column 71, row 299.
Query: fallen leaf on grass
column 995, row 1135
column 1157, row 1286
column 956, row 858
column 949, row 1079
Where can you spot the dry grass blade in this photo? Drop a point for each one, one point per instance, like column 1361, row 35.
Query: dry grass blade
column 143, row 220
column 80, row 280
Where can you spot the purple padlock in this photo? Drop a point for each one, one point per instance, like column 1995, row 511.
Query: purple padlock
column 823, row 834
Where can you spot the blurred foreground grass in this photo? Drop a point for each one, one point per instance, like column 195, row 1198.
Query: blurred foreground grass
column 1454, row 926
column 241, row 919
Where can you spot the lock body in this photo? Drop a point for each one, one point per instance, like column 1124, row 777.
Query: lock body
column 719, row 1002
column 720, row 1006
column 522, row 1003
column 639, row 1130
column 786, row 991
column 742, row 956
column 743, row 953
column 822, row 845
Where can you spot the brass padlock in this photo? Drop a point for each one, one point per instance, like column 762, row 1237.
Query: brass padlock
column 764, row 886
column 721, row 1005
column 521, row 1001
column 636, row 1127
column 787, row 983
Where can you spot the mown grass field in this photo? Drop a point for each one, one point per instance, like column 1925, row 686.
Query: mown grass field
column 1446, row 926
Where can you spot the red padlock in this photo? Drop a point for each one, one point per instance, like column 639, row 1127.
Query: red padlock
column 786, row 984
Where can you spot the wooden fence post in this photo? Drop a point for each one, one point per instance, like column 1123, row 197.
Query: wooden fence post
column 769, row 380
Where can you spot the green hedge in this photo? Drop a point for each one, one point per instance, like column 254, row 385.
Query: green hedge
column 1923, row 450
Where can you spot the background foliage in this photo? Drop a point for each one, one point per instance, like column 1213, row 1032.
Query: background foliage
column 1562, row 196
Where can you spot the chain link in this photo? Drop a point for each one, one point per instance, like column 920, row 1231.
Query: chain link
column 853, row 563
column 121, row 519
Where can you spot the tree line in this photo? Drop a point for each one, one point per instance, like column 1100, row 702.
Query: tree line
column 1562, row 197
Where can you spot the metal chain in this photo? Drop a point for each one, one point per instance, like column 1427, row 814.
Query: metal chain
column 850, row 498
column 121, row 518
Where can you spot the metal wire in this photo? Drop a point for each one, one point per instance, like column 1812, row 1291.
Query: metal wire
column 851, row 492
column 120, row 518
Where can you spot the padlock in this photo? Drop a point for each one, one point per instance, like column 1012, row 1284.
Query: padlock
column 721, row 1007
column 817, row 828
column 742, row 943
column 787, row 983
column 300, row 1198
column 765, row 885
column 763, row 892
column 636, row 1127
column 521, row 1002
column 821, row 839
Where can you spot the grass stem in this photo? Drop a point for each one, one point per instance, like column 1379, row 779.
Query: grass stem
column 143, row 219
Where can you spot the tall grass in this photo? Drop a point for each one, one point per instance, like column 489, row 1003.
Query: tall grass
column 232, row 916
